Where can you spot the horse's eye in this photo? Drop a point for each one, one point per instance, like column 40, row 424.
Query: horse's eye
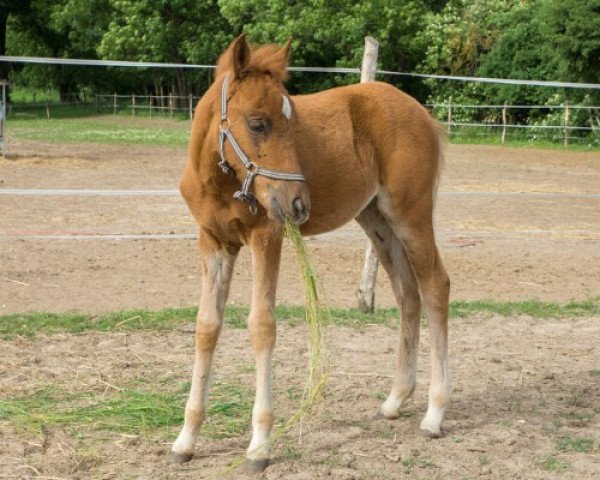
column 257, row 125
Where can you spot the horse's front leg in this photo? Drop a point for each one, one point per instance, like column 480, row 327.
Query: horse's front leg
column 266, row 253
column 217, row 267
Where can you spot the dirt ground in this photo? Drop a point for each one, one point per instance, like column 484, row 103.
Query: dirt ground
column 520, row 384
column 542, row 243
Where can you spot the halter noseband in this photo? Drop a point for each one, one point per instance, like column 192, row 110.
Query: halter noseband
column 244, row 195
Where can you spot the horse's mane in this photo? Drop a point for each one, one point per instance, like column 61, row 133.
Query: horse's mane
column 269, row 59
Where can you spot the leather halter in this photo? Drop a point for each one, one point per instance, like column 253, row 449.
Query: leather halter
column 244, row 194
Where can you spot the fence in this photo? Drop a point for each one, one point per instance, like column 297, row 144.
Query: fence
column 469, row 121
column 149, row 105
column 4, row 84
column 497, row 120
column 557, row 123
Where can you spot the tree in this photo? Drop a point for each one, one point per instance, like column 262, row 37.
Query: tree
column 58, row 28
column 180, row 31
column 512, row 56
column 573, row 28
column 332, row 33
column 8, row 7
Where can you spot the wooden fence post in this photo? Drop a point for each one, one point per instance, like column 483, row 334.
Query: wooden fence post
column 191, row 105
column 366, row 288
column 150, row 105
column 171, row 104
column 133, row 104
column 448, row 126
column 114, row 103
column 504, row 123
column 566, row 129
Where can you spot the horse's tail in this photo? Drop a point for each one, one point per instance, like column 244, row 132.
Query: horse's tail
column 442, row 138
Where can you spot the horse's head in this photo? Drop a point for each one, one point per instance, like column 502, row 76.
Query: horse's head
column 257, row 130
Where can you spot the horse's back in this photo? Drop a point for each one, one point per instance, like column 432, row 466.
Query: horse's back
column 363, row 140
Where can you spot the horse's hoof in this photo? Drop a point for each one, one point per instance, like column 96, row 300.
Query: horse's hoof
column 180, row 458
column 381, row 416
column 432, row 435
column 256, row 466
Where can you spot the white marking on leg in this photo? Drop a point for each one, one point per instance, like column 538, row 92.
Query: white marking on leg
column 439, row 396
column 262, row 412
column 217, row 270
column 401, row 391
column 287, row 107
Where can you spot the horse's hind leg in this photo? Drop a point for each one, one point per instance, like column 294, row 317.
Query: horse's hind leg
column 392, row 256
column 217, row 267
column 413, row 225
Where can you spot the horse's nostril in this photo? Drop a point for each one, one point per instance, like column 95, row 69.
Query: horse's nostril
column 298, row 206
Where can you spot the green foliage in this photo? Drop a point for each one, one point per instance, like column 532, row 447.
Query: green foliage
column 332, row 33
column 531, row 39
column 573, row 28
column 521, row 26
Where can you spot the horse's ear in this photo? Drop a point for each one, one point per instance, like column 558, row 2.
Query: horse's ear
column 241, row 56
column 286, row 51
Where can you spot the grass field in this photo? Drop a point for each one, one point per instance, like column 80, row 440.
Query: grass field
column 102, row 129
column 31, row 324
column 70, row 124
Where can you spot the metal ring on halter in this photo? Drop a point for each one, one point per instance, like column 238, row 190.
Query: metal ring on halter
column 225, row 120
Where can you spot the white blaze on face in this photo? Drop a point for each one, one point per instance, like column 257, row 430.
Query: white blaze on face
column 287, row 107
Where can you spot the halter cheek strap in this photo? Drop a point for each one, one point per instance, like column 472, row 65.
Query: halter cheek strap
column 244, row 194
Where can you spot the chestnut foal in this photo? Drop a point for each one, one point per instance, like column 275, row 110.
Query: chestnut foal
column 257, row 155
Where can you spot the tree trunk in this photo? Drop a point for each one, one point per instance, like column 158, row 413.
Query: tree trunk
column 4, row 66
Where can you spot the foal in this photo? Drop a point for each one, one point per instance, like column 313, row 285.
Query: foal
column 256, row 156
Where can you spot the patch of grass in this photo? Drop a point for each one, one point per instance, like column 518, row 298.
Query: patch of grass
column 574, row 444
column 581, row 416
column 553, row 464
column 380, row 395
column 533, row 308
column 128, row 410
column 30, row 324
column 99, row 130
column 591, row 143
column 408, row 463
column 595, row 372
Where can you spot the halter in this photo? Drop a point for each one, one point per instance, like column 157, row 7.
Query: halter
column 244, row 194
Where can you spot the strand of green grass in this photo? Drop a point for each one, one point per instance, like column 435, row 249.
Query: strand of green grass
column 315, row 315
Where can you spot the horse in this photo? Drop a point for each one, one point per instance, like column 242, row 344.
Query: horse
column 257, row 156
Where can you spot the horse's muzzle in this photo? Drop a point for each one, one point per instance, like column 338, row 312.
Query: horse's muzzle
column 297, row 213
